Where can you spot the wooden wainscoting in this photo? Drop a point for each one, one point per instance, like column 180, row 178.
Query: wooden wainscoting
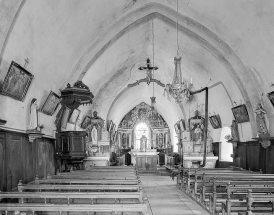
column 22, row 160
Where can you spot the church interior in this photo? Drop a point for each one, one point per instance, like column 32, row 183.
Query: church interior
column 106, row 105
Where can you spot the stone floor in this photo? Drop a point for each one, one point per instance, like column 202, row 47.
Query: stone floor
column 166, row 199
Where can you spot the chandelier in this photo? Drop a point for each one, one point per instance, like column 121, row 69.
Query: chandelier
column 179, row 90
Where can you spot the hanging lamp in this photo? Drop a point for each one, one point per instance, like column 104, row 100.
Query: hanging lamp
column 179, row 90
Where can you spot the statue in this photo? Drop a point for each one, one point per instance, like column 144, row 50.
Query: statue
column 33, row 122
column 234, row 131
column 94, row 136
column 196, row 125
column 260, row 119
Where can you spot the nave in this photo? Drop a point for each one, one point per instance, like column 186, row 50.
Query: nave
column 100, row 191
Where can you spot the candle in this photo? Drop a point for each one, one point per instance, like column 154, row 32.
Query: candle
column 191, row 80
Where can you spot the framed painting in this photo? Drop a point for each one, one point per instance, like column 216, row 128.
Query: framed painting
column 16, row 82
column 271, row 97
column 74, row 116
column 85, row 122
column 51, row 104
column 65, row 117
column 240, row 113
column 215, row 121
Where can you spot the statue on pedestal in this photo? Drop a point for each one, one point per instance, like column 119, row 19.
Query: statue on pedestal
column 260, row 119
column 234, row 131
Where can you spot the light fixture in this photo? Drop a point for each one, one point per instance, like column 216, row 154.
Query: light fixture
column 179, row 90
column 79, row 94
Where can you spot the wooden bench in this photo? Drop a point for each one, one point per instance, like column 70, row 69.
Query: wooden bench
column 256, row 203
column 188, row 175
column 74, row 197
column 86, row 208
column 78, row 187
column 105, row 176
column 201, row 177
column 220, row 189
column 236, row 193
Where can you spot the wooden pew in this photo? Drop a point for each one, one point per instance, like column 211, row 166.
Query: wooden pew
column 188, row 174
column 74, row 197
column 81, row 184
column 237, row 190
column 96, row 173
column 220, row 189
column 104, row 176
column 201, row 177
column 87, row 181
column 73, row 209
column 257, row 200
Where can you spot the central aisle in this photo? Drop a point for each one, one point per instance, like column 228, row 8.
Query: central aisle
column 166, row 199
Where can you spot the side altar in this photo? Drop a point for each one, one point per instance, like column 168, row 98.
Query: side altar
column 193, row 145
column 97, row 143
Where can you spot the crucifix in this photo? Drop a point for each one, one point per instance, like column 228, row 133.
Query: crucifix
column 26, row 63
column 149, row 69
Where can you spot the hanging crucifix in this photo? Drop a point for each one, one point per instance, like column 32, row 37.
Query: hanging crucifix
column 149, row 69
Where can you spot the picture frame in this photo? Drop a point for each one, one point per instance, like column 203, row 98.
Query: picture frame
column 74, row 116
column 16, row 82
column 51, row 104
column 215, row 121
column 65, row 117
column 240, row 114
column 270, row 96
column 85, row 122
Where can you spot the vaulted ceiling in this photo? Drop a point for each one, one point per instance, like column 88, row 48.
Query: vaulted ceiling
column 224, row 44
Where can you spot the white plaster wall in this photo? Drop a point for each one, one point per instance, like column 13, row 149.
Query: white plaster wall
column 56, row 35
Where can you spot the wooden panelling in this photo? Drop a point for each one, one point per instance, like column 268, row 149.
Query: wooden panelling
column 251, row 155
column 269, row 159
column 22, row 160
column 240, row 155
column 3, row 186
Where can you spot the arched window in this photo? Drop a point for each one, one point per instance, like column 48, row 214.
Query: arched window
column 226, row 149
column 142, row 129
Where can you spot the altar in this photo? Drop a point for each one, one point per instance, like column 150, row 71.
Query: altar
column 145, row 160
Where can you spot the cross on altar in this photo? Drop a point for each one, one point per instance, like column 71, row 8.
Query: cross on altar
column 149, row 69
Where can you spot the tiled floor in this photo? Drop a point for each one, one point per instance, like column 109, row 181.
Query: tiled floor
column 166, row 199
